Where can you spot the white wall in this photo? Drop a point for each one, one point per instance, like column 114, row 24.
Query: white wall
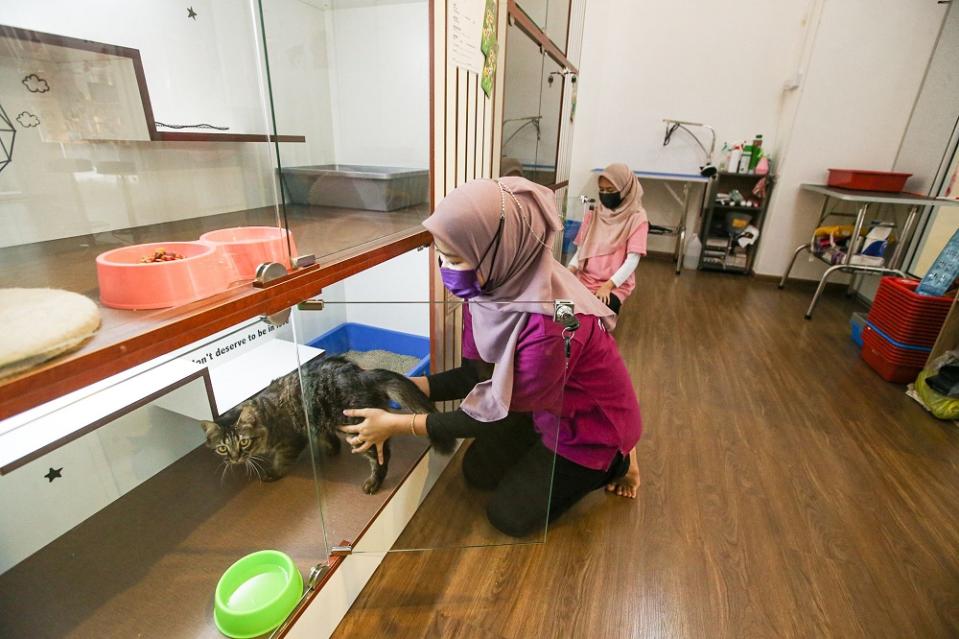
column 861, row 64
column 381, row 88
column 645, row 61
column 865, row 71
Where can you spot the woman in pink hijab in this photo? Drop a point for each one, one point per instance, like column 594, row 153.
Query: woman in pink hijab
column 611, row 239
column 533, row 390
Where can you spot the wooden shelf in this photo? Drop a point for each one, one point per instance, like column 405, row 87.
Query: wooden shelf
column 197, row 136
column 344, row 241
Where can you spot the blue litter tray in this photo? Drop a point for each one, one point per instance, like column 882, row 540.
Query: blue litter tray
column 351, row 336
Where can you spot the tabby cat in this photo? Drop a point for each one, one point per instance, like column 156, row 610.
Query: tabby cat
column 267, row 432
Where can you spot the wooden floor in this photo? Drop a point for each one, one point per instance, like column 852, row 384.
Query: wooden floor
column 787, row 492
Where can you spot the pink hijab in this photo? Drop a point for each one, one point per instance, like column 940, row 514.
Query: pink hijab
column 610, row 230
column 523, row 279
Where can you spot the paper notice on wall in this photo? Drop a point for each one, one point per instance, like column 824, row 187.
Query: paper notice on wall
column 466, row 34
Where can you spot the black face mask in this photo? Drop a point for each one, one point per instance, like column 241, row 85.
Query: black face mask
column 611, row 200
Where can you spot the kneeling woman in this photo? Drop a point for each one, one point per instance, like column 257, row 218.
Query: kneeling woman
column 525, row 402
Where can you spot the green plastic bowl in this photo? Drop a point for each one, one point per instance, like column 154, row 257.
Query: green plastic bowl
column 256, row 594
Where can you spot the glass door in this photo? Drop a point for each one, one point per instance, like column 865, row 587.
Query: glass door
column 523, row 123
column 125, row 503
column 433, row 492
column 469, row 482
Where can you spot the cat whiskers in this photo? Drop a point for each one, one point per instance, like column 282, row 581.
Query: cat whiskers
column 256, row 464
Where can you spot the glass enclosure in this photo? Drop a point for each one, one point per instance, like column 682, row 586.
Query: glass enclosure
column 154, row 156
column 129, row 499
column 125, row 502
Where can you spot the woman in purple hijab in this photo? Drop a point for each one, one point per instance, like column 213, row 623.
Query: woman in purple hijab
column 533, row 391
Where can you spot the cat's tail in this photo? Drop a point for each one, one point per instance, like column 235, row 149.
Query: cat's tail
column 408, row 395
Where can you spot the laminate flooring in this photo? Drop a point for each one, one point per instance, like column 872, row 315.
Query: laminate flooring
column 787, row 491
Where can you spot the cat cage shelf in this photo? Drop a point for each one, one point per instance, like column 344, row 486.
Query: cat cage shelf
column 239, row 378
column 35, row 432
column 179, row 385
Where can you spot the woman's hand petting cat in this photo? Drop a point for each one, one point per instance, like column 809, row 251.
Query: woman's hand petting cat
column 377, row 426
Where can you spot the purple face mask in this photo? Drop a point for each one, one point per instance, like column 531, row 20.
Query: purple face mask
column 462, row 284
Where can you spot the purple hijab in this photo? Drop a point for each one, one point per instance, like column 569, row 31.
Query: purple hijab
column 524, row 278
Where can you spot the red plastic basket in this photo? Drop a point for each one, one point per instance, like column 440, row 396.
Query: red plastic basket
column 904, row 290
column 890, row 352
column 884, row 181
column 905, row 316
column 889, row 371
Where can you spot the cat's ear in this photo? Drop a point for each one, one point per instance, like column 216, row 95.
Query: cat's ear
column 212, row 430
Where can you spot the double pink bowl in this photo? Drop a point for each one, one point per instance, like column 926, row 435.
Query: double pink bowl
column 209, row 266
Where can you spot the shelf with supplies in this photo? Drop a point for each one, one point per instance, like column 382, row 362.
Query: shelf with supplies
column 730, row 232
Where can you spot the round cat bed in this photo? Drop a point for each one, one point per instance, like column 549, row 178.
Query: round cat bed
column 37, row 324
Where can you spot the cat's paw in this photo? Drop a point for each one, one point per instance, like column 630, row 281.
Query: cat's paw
column 371, row 485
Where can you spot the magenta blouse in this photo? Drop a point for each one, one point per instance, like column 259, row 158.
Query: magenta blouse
column 586, row 411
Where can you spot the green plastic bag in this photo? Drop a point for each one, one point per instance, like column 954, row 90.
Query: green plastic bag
column 939, row 405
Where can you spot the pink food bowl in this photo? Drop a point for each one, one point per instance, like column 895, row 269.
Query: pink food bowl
column 127, row 283
column 250, row 246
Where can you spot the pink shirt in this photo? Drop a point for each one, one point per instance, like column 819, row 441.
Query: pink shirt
column 595, row 413
column 597, row 270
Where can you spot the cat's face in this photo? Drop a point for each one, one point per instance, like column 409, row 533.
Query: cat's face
column 241, row 441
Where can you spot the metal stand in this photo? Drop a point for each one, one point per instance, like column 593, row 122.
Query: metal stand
column 680, row 230
column 864, row 199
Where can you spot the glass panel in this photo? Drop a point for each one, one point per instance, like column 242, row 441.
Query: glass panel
column 522, row 123
column 537, row 10
column 374, row 321
column 353, row 77
column 551, row 105
column 557, row 22
column 497, row 494
column 134, row 168
column 121, row 526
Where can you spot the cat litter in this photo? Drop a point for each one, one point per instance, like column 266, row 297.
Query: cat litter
column 382, row 359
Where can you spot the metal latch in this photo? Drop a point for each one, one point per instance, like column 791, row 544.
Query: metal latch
column 312, row 305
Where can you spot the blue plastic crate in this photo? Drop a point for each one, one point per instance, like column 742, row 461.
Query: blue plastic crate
column 856, row 322
column 351, row 336
column 570, row 229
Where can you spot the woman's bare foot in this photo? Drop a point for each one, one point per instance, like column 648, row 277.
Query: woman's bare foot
column 628, row 484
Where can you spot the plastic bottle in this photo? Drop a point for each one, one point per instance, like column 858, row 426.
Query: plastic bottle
column 694, row 249
column 746, row 160
column 757, row 151
column 724, row 157
column 733, row 164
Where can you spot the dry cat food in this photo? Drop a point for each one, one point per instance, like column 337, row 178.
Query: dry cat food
column 160, row 255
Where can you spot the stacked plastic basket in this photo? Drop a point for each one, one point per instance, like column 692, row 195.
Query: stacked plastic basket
column 901, row 329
